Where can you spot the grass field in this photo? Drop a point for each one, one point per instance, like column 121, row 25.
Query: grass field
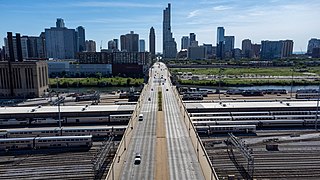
column 266, row 71
column 246, row 82
column 91, row 82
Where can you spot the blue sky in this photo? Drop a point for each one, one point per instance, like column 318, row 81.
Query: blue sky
column 104, row 20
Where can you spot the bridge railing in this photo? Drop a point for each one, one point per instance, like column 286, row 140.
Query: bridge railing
column 203, row 158
column 118, row 160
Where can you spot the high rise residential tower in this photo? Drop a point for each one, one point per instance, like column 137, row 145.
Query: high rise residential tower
column 142, row 45
column 61, row 42
column 185, row 41
column 152, row 42
column 130, row 42
column 81, row 39
column 169, row 44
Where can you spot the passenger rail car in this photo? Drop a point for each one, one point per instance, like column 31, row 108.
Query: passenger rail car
column 307, row 95
column 213, row 118
column 45, row 142
column 95, row 131
column 209, row 130
column 209, row 114
column 116, row 118
column 261, row 123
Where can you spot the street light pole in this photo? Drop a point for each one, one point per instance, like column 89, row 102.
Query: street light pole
column 316, row 123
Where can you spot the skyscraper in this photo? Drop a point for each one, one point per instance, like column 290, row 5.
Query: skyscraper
column 61, row 42
column 247, row 48
column 193, row 42
column 152, row 42
column 220, row 43
column 81, row 39
column 220, row 35
column 20, row 44
column 142, row 45
column 229, row 43
column 313, row 43
column 113, row 45
column 169, row 44
column 91, row 46
column 130, row 42
column 271, row 50
column 185, row 42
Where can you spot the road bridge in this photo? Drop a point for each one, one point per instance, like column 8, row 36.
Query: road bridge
column 165, row 138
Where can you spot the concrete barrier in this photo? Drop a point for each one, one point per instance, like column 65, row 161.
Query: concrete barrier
column 118, row 160
column 205, row 163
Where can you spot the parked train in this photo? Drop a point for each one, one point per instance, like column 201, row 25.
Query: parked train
column 307, row 95
column 213, row 129
column 254, row 113
column 256, row 118
column 115, row 118
column 260, row 123
column 95, row 131
column 46, row 142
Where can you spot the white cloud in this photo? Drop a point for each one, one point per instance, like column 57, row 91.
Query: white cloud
column 221, row 8
column 194, row 13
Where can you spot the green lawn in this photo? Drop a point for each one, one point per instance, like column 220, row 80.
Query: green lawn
column 91, row 82
column 267, row 71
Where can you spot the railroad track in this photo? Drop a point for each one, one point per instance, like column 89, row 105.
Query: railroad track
column 293, row 160
column 50, row 164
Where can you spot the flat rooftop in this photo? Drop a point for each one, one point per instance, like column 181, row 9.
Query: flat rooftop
column 65, row 110
column 237, row 105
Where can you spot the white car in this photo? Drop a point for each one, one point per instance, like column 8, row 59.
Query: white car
column 137, row 159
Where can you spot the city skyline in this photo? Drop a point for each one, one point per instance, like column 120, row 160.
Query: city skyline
column 245, row 20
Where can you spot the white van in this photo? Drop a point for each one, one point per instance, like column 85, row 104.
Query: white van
column 140, row 117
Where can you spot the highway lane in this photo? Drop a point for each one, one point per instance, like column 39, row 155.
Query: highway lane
column 143, row 140
column 183, row 163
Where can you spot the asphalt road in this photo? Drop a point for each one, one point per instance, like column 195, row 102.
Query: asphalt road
column 183, row 163
column 143, row 140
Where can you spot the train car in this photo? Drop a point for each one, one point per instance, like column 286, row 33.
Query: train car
column 289, row 113
column 12, row 122
column 213, row 118
column 45, row 142
column 96, row 131
column 262, row 113
column 120, row 117
column 307, row 95
column 63, row 141
column 45, row 121
column 282, row 123
column 79, row 120
column 232, row 128
column 209, row 114
column 33, row 132
column 290, row 117
column 244, row 118
column 17, row 143
column 209, row 130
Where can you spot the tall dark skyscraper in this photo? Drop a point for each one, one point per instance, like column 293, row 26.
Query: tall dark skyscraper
column 169, row 44
column 152, row 42
column 220, row 42
column 81, row 39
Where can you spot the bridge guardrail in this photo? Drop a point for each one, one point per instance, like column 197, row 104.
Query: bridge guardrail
column 203, row 158
column 121, row 153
